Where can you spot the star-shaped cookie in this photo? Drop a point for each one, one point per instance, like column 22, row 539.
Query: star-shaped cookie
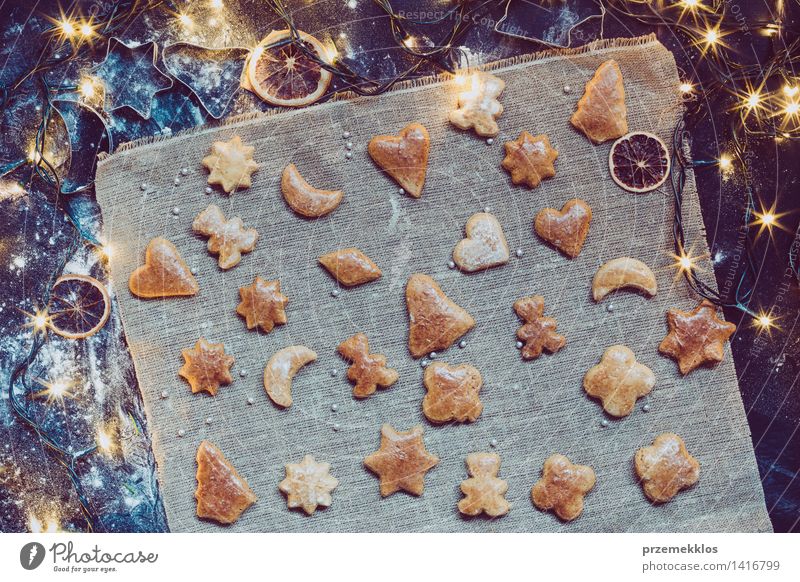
column 538, row 333
column 562, row 487
column 222, row 494
column 262, row 304
column 529, row 159
column 618, row 381
column 368, row 371
column 484, row 490
column 308, row 484
column 230, row 164
column 402, row 461
column 666, row 467
column 696, row 337
column 227, row 238
column 206, row 367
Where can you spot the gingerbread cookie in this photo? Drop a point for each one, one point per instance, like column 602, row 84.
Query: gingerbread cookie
column 368, row 371
column 262, row 304
column 281, row 369
column 222, row 494
column 529, row 159
column 164, row 273
column 538, row 333
column 601, row 112
column 435, row 322
column 404, row 157
column 303, row 198
column 350, row 267
column 618, row 381
column 485, row 245
column 227, row 238
column 206, row 367
column 230, row 164
column 562, row 487
column 478, row 107
column 623, row 273
column 308, row 485
column 696, row 337
column 666, row 467
column 402, row 461
column 452, row 393
column 565, row 229
column 484, row 491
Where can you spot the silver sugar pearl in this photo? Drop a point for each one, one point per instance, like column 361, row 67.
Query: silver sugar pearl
column 181, row 433
column 346, row 135
column 451, row 265
column 335, row 293
column 646, row 408
column 567, row 89
column 493, row 443
column 142, row 186
column 486, row 209
column 336, row 427
column 610, row 307
column 334, row 407
column 193, row 271
column 208, row 420
column 402, row 191
column 519, row 253
column 604, row 422
column 184, row 171
column 208, row 190
column 349, row 145
column 490, row 141
column 432, row 355
column 462, row 344
column 243, row 373
column 250, row 400
column 176, row 211
column 519, row 345
column 176, row 181
column 164, row 394
column 348, row 155
column 334, row 372
column 424, row 363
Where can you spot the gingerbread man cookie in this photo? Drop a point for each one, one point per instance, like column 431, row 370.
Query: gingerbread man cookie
column 538, row 333
column 435, row 322
column 230, row 164
column 164, row 273
column 350, row 267
column 666, row 467
column 262, row 304
column 206, row 367
column 484, row 491
column 404, row 157
column 368, row 371
column 452, row 393
column 402, row 461
column 485, row 245
column 565, row 229
column 529, row 159
column 308, row 485
column 227, row 238
column 562, row 487
column 478, row 107
column 618, row 381
column 601, row 112
column 696, row 337
column 222, row 494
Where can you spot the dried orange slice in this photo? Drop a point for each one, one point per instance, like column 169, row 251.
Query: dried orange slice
column 639, row 162
column 284, row 75
column 79, row 306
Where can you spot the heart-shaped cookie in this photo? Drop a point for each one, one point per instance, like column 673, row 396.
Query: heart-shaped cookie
column 164, row 273
column 565, row 229
column 404, row 156
column 485, row 245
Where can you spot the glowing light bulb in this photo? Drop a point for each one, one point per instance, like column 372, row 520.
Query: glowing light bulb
column 104, row 441
column 86, row 88
column 690, row 3
column 768, row 219
column 725, row 162
column 791, row 90
column 67, row 28
column 217, row 4
column 409, row 42
column 763, row 320
column 39, row 321
column 185, row 20
column 753, row 100
column 686, row 87
column 107, row 251
column 86, row 29
column 792, row 108
column 711, row 36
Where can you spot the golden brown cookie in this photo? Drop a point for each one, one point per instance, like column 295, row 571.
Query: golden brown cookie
column 623, row 273
column 478, row 107
column 696, row 337
column 562, row 487
column 404, row 157
column 227, row 238
column 538, row 333
column 618, row 381
column 281, row 369
column 666, row 467
column 402, row 461
column 206, row 367
column 230, row 164
column 222, row 494
column 164, row 273
column 435, row 322
column 368, row 371
column 529, row 159
column 350, row 267
column 485, row 245
column 484, row 491
column 303, row 198
column 308, row 485
column 262, row 304
column 565, row 229
column 452, row 393
column 601, row 112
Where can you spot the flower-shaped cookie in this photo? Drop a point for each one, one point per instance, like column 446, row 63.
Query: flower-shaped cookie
column 485, row 245
column 402, row 461
column 227, row 238
column 230, row 164
column 350, row 267
column 164, row 273
column 262, row 304
column 666, row 467
column 452, row 393
column 434, row 320
column 538, row 333
column 601, row 112
column 618, row 381
column 308, row 484
column 529, row 159
column 484, row 491
column 404, row 157
column 206, row 367
column 222, row 494
column 696, row 337
column 368, row 371
column 478, row 106
column 562, row 487
column 565, row 229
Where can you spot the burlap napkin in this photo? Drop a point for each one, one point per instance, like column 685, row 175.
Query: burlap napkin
column 532, row 409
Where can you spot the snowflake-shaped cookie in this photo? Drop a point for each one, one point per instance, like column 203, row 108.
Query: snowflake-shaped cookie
column 262, row 304
column 206, row 367
column 230, row 164
column 308, row 484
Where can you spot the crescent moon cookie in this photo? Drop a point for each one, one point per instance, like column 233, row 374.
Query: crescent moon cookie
column 565, row 229
column 484, row 491
column 308, row 485
column 562, row 487
column 435, row 322
column 538, row 333
column 601, row 114
column 227, row 238
column 303, row 198
column 666, row 467
column 618, row 381
column 164, row 273
column 623, row 273
column 478, row 107
column 206, row 367
column 281, row 369
column 222, row 494
column 368, row 372
column 401, row 461
column 230, row 164
column 485, row 245
column 404, row 157
column 529, row 159
column 350, row 267
column 452, row 393
column 262, row 304
column 696, row 337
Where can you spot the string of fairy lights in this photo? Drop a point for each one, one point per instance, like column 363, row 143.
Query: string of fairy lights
column 765, row 96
